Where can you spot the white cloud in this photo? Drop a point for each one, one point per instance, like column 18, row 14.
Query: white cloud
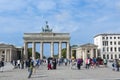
column 46, row 5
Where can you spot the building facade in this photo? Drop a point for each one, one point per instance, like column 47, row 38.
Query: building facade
column 8, row 52
column 108, row 45
column 85, row 51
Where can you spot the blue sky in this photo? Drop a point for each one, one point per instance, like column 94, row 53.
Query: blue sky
column 83, row 19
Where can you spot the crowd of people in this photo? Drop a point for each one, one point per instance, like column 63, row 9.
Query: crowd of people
column 52, row 63
column 116, row 64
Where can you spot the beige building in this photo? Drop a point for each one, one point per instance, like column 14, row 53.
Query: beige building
column 46, row 36
column 8, row 52
column 84, row 51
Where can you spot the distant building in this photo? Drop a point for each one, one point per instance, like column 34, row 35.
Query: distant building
column 84, row 51
column 9, row 52
column 108, row 45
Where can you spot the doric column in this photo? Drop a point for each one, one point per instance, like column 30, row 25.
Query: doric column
column 52, row 49
column 33, row 51
column 84, row 56
column 92, row 53
column 60, row 48
column 10, row 56
column 96, row 53
column 85, row 53
column 25, row 50
column 5, row 54
column 21, row 53
column 68, row 49
column 41, row 50
column 71, row 53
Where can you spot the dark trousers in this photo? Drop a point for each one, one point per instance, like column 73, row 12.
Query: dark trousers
column 30, row 70
column 78, row 66
column 87, row 66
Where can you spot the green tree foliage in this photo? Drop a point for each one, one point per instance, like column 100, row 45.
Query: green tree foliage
column 64, row 53
column 30, row 53
column 55, row 56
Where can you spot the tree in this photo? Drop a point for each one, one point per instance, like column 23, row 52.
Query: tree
column 64, row 53
column 55, row 56
column 30, row 53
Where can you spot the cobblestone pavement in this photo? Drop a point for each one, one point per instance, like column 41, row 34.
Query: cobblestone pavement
column 61, row 73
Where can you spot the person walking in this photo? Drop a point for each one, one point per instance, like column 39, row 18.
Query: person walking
column 30, row 68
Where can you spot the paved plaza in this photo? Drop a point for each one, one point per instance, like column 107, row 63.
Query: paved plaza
column 61, row 73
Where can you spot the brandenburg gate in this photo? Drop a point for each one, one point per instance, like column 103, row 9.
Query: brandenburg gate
column 46, row 36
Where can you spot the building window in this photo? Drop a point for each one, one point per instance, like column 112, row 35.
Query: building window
column 106, row 43
column 106, row 37
column 107, row 49
column 115, row 49
column 119, row 55
column 103, row 37
column 118, row 42
column 110, row 42
column 114, row 37
column 103, row 49
column 111, row 56
column 110, row 37
column 103, row 43
column 114, row 43
column 107, row 56
column 111, row 49
column 3, row 51
column 118, row 37
column 104, row 56
column 119, row 49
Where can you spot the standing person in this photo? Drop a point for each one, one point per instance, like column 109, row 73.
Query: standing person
column 22, row 64
column 87, row 61
column 78, row 63
column 30, row 68
column 18, row 64
column 2, row 65
column 117, row 64
column 113, row 65
column 105, row 62
column 49, row 64
column 54, row 63
column 73, row 63
column 65, row 61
